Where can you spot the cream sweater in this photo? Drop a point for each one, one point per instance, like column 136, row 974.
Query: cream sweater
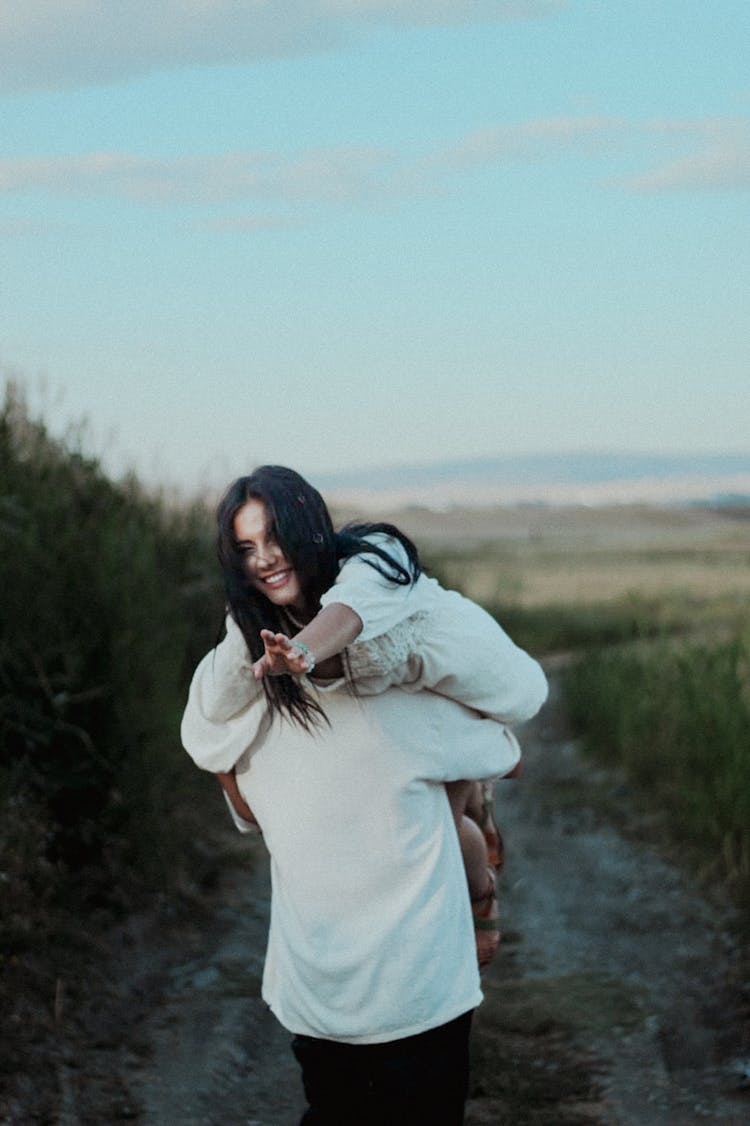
column 422, row 636
column 371, row 936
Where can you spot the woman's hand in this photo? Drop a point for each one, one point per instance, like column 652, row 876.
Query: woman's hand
column 281, row 656
column 229, row 785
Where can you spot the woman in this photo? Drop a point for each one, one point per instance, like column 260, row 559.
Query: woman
column 370, row 959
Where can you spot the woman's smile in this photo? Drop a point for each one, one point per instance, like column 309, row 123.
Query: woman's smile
column 270, row 571
column 278, row 578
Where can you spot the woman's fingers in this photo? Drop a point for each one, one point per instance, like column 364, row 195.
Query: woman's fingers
column 281, row 656
column 275, row 640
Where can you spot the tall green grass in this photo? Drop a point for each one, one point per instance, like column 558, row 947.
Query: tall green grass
column 108, row 596
column 559, row 628
column 676, row 716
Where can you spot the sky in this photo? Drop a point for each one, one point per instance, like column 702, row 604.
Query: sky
column 342, row 234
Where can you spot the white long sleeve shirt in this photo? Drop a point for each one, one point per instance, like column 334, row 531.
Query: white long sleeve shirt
column 371, row 935
column 423, row 636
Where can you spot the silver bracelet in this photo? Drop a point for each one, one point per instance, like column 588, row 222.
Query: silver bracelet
column 307, row 654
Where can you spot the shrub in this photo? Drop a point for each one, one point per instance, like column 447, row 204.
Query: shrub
column 676, row 716
column 107, row 598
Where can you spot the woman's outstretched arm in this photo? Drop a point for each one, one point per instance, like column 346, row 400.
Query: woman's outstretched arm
column 330, row 631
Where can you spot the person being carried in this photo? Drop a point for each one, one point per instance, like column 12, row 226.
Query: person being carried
column 385, row 623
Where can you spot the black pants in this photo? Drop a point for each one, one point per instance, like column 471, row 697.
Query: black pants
column 418, row 1081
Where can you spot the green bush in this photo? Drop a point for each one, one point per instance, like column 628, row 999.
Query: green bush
column 676, row 717
column 108, row 596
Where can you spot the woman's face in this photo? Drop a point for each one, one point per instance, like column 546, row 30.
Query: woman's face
column 265, row 562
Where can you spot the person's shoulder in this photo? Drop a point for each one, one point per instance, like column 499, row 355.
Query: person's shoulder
column 386, row 542
column 378, row 537
column 381, row 540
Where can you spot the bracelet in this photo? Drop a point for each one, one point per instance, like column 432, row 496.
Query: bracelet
column 307, row 654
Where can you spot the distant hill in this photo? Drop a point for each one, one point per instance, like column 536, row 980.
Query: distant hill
column 594, row 479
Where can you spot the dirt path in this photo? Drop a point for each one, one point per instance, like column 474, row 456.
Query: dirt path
column 614, row 999
column 623, row 974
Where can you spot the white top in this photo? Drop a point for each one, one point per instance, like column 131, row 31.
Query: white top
column 371, row 935
column 423, row 636
column 380, row 603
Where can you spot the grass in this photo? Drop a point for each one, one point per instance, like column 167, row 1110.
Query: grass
column 108, row 597
column 527, row 1069
column 675, row 716
column 655, row 608
column 561, row 580
column 563, row 627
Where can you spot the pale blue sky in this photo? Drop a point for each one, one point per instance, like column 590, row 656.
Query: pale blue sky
column 347, row 233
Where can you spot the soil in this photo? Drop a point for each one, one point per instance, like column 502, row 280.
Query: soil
column 618, row 997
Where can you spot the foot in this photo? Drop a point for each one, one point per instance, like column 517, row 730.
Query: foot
column 486, row 922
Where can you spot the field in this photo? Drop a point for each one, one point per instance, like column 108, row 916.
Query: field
column 102, row 815
column 535, row 556
column 652, row 607
column 560, row 578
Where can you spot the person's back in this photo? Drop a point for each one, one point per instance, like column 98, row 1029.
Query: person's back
column 371, row 932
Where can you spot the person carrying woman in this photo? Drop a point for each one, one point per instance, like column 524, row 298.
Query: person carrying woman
column 345, row 785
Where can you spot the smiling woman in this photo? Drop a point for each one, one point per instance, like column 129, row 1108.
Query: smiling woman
column 267, row 566
column 279, row 554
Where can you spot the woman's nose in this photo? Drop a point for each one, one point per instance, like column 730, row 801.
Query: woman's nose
column 267, row 554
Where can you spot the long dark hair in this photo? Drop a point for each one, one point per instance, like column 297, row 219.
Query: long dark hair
column 300, row 522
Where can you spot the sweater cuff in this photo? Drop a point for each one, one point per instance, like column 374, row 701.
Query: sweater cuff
column 241, row 823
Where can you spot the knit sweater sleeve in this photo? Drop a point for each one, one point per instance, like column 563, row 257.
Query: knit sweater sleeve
column 226, row 709
column 463, row 653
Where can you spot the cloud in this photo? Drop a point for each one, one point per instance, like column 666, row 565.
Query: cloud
column 72, row 43
column 721, row 162
column 709, row 154
column 690, row 155
column 445, row 11
column 333, row 175
column 238, row 224
column 345, row 174
column 528, row 141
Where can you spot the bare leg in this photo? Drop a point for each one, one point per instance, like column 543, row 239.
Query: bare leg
column 479, row 875
column 477, row 801
column 470, row 838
